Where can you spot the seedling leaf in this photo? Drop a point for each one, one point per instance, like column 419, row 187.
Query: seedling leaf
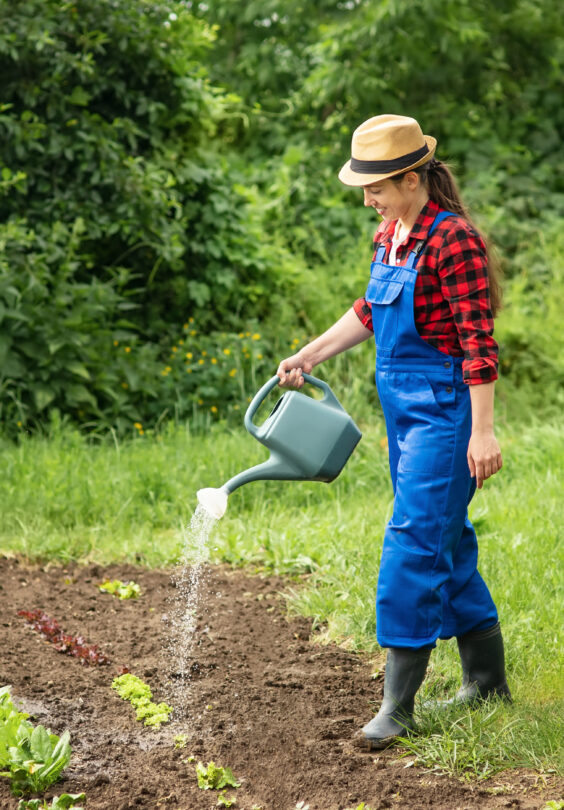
column 131, row 688
column 214, row 777
column 124, row 590
column 62, row 802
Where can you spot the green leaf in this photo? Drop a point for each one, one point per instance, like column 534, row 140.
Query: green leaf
column 79, row 369
column 43, row 396
column 41, row 746
column 79, row 96
column 67, row 800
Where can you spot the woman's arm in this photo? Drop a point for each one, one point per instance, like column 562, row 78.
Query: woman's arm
column 484, row 454
column 347, row 332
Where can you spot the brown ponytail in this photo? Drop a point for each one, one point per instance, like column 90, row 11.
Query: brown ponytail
column 443, row 190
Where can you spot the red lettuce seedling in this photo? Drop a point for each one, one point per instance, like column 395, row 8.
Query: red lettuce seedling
column 71, row 645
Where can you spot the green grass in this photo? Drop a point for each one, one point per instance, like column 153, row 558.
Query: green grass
column 65, row 498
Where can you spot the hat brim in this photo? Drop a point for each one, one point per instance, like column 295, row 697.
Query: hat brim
column 350, row 178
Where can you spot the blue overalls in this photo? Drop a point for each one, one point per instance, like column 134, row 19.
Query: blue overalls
column 428, row 586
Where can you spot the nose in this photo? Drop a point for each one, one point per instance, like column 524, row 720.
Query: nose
column 367, row 197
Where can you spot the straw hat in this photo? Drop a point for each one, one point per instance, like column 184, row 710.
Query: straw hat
column 384, row 146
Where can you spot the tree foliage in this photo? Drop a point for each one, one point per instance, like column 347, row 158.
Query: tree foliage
column 121, row 215
column 168, row 177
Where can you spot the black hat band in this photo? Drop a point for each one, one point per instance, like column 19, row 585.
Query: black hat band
column 385, row 166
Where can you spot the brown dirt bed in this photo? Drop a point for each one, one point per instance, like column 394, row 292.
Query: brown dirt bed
column 263, row 700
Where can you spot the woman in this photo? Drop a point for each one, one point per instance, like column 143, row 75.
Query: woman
column 429, row 302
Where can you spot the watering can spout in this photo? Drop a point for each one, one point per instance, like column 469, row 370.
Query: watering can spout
column 214, row 500
column 273, row 469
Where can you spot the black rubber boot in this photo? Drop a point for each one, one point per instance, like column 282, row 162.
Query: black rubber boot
column 405, row 670
column 483, row 666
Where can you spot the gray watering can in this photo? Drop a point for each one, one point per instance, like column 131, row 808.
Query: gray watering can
column 308, row 439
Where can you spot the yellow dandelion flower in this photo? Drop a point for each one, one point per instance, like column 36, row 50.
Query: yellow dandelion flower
column 174, row 349
column 259, row 356
column 227, row 351
column 213, row 409
column 204, row 354
column 188, row 371
column 124, row 385
column 214, row 361
column 190, row 320
column 138, row 425
column 241, row 334
column 127, row 349
column 200, row 402
column 236, row 407
column 19, row 424
column 185, row 326
column 141, row 432
column 116, row 342
column 193, row 332
column 256, row 336
column 181, row 343
column 247, row 334
column 201, row 361
column 233, row 372
column 189, row 355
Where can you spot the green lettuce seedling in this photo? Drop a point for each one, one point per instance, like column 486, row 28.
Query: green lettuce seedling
column 62, row 802
column 32, row 756
column 226, row 801
column 131, row 688
column 125, row 590
column 214, row 777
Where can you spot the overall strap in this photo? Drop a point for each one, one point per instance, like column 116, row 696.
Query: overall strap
column 414, row 255
column 438, row 219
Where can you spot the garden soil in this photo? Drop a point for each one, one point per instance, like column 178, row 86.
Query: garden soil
column 264, row 700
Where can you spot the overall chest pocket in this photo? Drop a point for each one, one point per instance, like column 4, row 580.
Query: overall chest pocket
column 383, row 295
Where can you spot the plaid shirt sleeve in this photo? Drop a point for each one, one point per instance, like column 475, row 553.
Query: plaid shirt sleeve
column 364, row 312
column 463, row 275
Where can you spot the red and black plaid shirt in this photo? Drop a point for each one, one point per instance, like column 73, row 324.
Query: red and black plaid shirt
column 452, row 298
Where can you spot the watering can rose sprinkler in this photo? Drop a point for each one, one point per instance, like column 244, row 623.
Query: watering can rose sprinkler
column 309, row 440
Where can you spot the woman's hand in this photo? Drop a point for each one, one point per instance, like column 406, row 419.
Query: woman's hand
column 291, row 370
column 484, row 456
column 348, row 331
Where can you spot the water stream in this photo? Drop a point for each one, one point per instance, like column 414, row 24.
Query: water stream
column 189, row 580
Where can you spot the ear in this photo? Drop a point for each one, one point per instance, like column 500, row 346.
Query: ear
column 412, row 180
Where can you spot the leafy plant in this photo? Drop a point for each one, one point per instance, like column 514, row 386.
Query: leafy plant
column 63, row 642
column 124, row 590
column 62, row 802
column 130, row 687
column 180, row 740
column 214, row 777
column 226, row 801
column 32, row 756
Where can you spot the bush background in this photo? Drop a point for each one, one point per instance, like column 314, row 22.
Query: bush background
column 170, row 216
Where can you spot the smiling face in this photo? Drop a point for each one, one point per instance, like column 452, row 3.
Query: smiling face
column 396, row 200
column 389, row 199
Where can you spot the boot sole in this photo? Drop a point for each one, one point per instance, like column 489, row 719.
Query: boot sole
column 372, row 744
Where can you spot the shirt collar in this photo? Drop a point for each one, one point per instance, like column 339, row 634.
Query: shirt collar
column 420, row 229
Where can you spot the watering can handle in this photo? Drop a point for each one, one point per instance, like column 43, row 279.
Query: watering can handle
column 261, row 395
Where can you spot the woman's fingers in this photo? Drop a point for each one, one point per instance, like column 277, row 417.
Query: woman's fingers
column 483, row 468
